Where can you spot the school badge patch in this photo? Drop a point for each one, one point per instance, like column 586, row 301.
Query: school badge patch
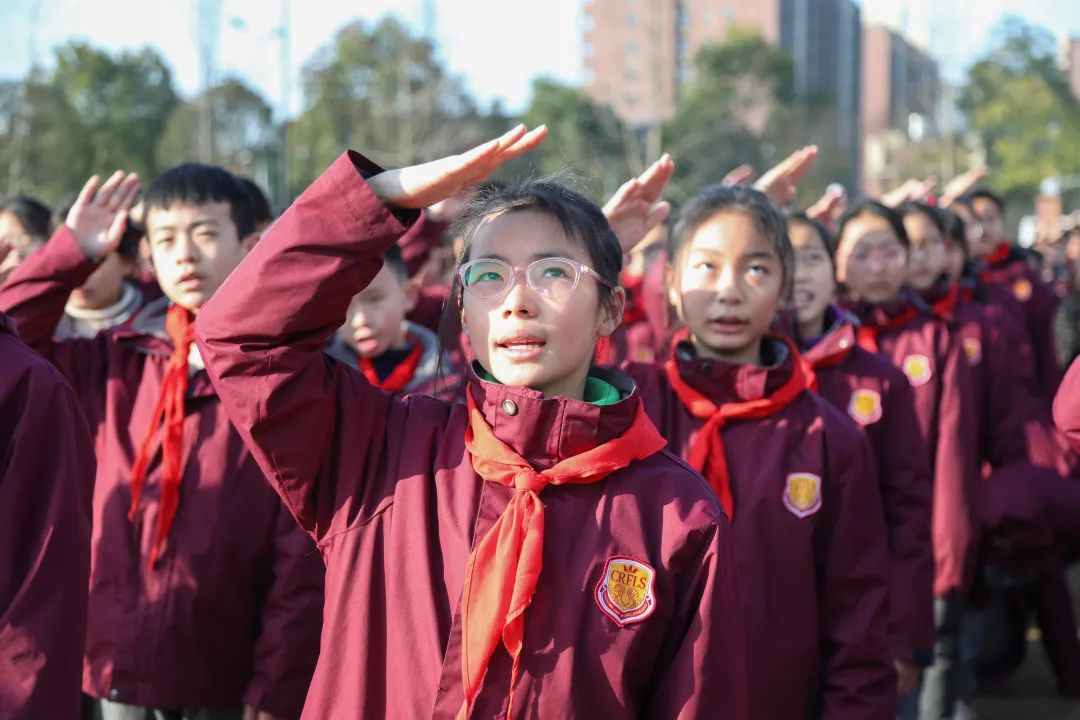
column 1022, row 289
column 973, row 350
column 802, row 494
column 625, row 591
column 917, row 369
column 865, row 407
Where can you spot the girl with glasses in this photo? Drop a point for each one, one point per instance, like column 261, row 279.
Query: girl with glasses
column 531, row 552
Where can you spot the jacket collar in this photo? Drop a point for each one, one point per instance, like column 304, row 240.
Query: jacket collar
column 724, row 382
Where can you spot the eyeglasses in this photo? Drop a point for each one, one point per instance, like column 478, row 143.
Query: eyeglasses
column 553, row 277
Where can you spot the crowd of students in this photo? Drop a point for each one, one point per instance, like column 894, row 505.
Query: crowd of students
column 431, row 446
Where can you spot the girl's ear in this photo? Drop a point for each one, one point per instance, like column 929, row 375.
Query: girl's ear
column 613, row 312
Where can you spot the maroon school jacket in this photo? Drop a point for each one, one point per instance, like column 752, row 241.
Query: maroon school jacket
column 46, row 479
column 814, row 576
column 386, row 486
column 940, row 376
column 1039, row 303
column 877, row 396
column 1000, row 407
column 231, row 614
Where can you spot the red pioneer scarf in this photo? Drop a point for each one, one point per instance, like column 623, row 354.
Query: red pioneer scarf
column 504, row 567
column 945, row 306
column 400, row 377
column 707, row 454
column 867, row 335
column 170, row 409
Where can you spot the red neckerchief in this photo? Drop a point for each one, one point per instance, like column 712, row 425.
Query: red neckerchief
column 400, row 377
column 634, row 311
column 504, row 567
column 945, row 306
column 170, row 408
column 1001, row 254
column 707, row 454
column 867, row 334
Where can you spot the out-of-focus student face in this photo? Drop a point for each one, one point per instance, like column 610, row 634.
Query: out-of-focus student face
column 375, row 320
column 18, row 241
column 871, row 260
column 989, row 226
column 926, row 253
column 815, row 281
column 105, row 285
column 954, row 259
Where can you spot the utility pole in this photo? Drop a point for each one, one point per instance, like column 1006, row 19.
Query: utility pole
column 209, row 32
column 285, row 62
column 21, row 121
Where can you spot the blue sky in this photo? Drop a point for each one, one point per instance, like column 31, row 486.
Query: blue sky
column 497, row 46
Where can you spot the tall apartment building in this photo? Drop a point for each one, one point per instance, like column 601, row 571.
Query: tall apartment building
column 1070, row 63
column 639, row 53
column 900, row 92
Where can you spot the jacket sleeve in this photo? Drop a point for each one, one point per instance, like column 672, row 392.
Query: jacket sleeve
column 956, row 471
column 1067, row 406
column 317, row 429
column 1006, row 414
column 703, row 667
column 45, row 536
column 906, row 490
column 35, row 295
column 288, row 646
column 858, row 679
column 1040, row 310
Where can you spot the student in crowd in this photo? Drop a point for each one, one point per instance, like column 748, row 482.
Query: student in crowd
column 394, row 354
column 24, row 228
column 794, row 473
column 531, row 552
column 204, row 596
column 46, row 480
column 878, row 397
column 871, row 265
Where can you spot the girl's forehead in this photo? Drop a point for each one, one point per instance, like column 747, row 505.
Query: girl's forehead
column 522, row 235
column 805, row 237
column 868, row 229
column 730, row 232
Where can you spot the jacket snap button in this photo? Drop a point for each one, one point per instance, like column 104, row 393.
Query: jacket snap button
column 509, row 407
column 843, row 344
column 114, row 694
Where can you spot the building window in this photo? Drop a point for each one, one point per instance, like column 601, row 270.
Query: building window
column 631, row 20
column 632, row 48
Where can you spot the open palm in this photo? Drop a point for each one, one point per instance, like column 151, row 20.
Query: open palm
column 99, row 215
column 636, row 207
column 419, row 186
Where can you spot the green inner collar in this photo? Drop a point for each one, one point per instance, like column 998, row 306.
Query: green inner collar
column 597, row 391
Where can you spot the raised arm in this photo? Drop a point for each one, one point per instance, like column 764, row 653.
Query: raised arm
column 261, row 335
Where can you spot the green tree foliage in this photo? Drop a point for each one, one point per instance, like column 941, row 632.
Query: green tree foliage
column 1022, row 111
column 243, row 131
column 378, row 88
column 92, row 112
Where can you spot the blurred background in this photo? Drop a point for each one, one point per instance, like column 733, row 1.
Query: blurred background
column 275, row 89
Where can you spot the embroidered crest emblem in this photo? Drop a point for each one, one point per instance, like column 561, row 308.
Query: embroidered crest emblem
column 917, row 369
column 625, row 591
column 865, row 407
column 802, row 494
column 973, row 350
column 1022, row 289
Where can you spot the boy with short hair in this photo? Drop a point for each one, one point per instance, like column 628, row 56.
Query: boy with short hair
column 204, row 594
column 395, row 354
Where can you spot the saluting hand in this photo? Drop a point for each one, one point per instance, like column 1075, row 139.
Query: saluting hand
column 911, row 189
column 739, row 176
column 636, row 208
column 99, row 215
column 419, row 186
column 960, row 184
column 780, row 183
